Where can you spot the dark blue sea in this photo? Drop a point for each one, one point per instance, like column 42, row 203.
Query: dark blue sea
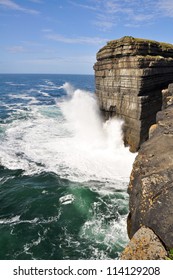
column 64, row 172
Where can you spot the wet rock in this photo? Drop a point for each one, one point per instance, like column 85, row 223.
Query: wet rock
column 144, row 245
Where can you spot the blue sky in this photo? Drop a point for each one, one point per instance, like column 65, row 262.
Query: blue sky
column 63, row 36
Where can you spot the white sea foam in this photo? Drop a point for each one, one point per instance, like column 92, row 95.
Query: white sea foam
column 50, row 83
column 106, row 227
column 68, row 88
column 110, row 235
column 16, row 220
column 43, row 93
column 13, row 220
column 31, row 99
column 48, row 87
column 67, row 199
column 76, row 144
column 14, row 84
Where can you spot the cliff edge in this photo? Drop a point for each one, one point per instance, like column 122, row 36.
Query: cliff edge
column 130, row 74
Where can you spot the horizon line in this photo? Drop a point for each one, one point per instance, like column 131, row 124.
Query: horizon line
column 45, row 74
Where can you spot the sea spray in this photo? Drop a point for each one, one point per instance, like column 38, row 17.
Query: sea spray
column 75, row 144
column 68, row 88
column 99, row 143
column 81, row 113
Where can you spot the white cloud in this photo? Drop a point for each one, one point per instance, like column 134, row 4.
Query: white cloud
column 113, row 7
column 13, row 6
column 130, row 11
column 131, row 25
column 104, row 22
column 31, row 43
column 37, row 1
column 16, row 49
column 166, row 7
column 76, row 40
column 110, row 13
column 47, row 30
column 142, row 17
column 89, row 7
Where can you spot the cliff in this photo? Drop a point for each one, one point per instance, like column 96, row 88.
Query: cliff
column 151, row 190
column 130, row 75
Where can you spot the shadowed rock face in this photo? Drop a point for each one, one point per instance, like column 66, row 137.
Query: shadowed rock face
column 130, row 74
column 151, row 183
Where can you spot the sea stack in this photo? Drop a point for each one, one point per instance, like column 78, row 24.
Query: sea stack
column 130, row 75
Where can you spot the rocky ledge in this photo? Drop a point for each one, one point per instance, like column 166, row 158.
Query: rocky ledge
column 130, row 75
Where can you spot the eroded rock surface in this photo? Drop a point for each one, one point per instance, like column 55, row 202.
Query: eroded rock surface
column 151, row 183
column 130, row 75
column 144, row 245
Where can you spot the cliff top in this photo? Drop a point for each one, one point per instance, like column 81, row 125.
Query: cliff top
column 137, row 41
column 129, row 45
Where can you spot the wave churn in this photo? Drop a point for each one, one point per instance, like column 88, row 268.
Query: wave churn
column 64, row 172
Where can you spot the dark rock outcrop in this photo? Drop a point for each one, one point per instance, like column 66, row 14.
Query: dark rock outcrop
column 130, row 75
column 151, row 183
column 144, row 245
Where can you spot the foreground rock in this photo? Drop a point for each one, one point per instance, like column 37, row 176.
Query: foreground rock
column 130, row 75
column 144, row 245
column 151, row 184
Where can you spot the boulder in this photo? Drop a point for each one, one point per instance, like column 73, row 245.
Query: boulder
column 144, row 245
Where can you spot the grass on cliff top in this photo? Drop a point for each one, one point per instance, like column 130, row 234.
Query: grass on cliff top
column 129, row 39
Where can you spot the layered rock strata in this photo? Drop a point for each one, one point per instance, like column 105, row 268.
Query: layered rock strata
column 151, row 183
column 130, row 75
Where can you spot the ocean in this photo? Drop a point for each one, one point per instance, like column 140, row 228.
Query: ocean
column 64, row 171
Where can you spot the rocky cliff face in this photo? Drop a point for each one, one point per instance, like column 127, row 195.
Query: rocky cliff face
column 130, row 74
column 151, row 185
column 150, row 221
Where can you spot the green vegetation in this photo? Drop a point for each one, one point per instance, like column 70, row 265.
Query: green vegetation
column 151, row 43
column 170, row 255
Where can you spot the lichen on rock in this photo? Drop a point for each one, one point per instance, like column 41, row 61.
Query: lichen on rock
column 145, row 245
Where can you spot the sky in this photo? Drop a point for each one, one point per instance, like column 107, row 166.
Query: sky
column 63, row 36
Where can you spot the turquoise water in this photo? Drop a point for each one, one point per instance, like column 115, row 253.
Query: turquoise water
column 63, row 171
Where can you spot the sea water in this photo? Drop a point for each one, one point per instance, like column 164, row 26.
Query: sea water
column 64, row 171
